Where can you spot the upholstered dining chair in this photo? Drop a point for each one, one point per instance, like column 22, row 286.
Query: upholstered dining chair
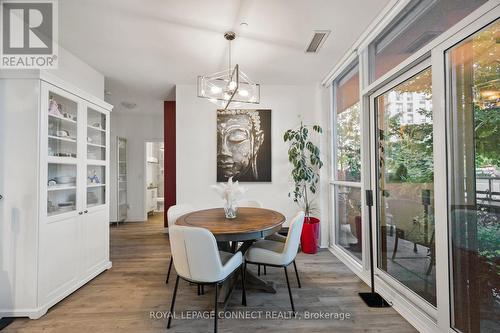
column 173, row 213
column 278, row 254
column 198, row 260
column 250, row 203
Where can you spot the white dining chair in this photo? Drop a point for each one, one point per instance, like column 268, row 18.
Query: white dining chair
column 278, row 254
column 173, row 213
column 250, row 203
column 198, row 260
column 275, row 237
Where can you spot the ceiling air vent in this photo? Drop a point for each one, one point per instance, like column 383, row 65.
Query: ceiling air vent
column 318, row 38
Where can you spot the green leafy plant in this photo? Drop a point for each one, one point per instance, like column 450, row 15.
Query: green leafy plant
column 305, row 158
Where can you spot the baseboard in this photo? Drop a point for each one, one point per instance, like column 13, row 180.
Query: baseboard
column 417, row 317
column 42, row 310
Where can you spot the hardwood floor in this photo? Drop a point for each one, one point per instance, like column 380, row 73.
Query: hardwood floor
column 121, row 299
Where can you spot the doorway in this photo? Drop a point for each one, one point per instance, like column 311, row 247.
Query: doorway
column 154, row 180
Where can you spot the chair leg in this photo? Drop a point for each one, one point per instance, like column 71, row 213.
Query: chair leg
column 203, row 289
column 169, row 269
column 296, row 273
column 258, row 270
column 289, row 290
column 265, row 270
column 215, row 306
column 199, row 290
column 243, row 291
column 173, row 302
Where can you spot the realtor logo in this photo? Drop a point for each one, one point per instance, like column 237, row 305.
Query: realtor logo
column 28, row 36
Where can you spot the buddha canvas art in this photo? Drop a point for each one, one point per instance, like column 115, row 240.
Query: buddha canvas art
column 244, row 145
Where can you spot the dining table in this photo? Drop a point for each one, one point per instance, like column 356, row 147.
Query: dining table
column 237, row 234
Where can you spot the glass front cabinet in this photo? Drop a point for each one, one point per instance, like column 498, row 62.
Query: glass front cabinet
column 74, row 160
column 55, row 197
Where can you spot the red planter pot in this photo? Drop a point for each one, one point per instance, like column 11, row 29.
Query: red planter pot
column 310, row 235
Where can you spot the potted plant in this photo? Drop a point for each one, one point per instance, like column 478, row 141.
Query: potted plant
column 305, row 158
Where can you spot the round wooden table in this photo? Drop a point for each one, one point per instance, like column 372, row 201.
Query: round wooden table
column 249, row 225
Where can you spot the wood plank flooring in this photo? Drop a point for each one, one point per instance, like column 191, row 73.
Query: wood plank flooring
column 122, row 298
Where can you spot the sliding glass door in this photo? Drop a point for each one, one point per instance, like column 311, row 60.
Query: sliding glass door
column 405, row 181
column 473, row 82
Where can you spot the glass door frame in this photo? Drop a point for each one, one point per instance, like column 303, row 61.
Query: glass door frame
column 94, row 162
column 442, row 139
column 438, row 318
column 45, row 90
column 386, row 277
column 435, row 58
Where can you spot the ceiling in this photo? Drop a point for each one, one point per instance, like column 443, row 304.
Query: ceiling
column 145, row 47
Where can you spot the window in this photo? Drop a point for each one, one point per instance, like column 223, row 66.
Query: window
column 419, row 23
column 405, row 190
column 347, row 157
column 347, row 127
column 474, row 180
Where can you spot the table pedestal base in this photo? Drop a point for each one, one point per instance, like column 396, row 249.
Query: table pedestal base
column 252, row 281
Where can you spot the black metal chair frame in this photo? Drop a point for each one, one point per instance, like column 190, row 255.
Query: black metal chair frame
column 286, row 275
column 201, row 285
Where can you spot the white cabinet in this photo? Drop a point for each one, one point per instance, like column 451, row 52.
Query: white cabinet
column 122, row 189
column 54, row 167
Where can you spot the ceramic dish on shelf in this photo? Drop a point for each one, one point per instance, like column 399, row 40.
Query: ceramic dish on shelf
column 66, row 204
column 65, row 154
column 65, row 179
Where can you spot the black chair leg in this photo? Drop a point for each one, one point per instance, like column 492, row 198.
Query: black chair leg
column 265, row 270
column 258, row 270
column 243, row 291
column 169, row 269
column 203, row 289
column 289, row 290
column 215, row 306
column 199, row 290
column 296, row 273
column 171, row 314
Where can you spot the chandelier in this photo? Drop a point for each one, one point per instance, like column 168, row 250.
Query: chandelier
column 230, row 86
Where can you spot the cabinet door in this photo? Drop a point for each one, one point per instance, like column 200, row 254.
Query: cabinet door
column 95, row 226
column 60, row 152
column 122, row 179
column 97, row 144
column 61, row 192
column 59, row 255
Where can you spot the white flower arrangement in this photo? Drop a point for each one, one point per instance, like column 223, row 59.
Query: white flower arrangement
column 230, row 192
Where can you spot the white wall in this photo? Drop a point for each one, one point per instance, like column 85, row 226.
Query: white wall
column 73, row 70
column 137, row 129
column 196, row 144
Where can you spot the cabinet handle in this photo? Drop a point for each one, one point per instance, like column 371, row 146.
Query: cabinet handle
column 80, row 213
column 85, row 211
